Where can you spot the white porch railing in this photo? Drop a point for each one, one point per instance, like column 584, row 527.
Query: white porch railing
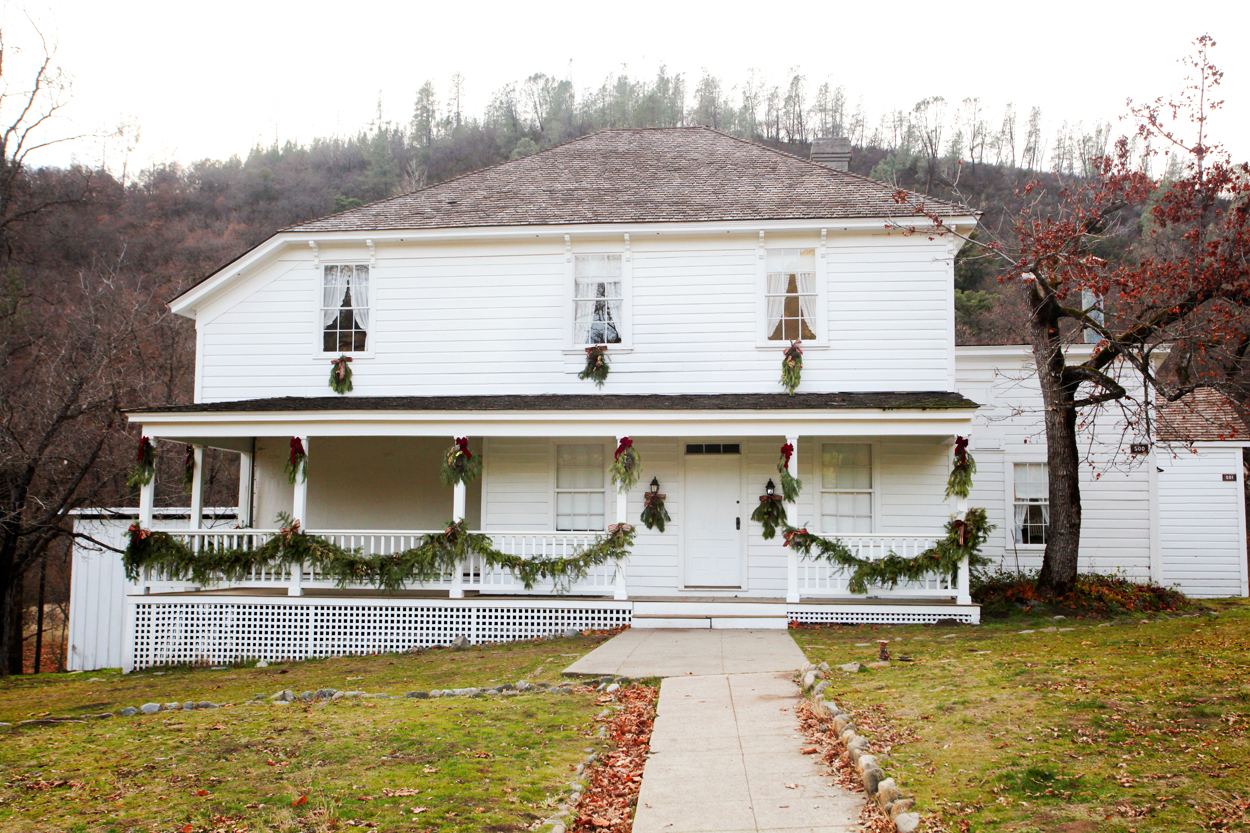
column 475, row 573
column 820, row 578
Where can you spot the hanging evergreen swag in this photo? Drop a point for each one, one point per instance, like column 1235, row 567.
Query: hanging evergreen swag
column 964, row 538
column 771, row 513
column 297, row 463
column 459, row 464
column 435, row 556
column 960, row 481
column 627, row 466
column 792, row 368
column 653, row 512
column 188, row 470
column 790, row 485
column 145, row 466
column 596, row 368
column 341, row 375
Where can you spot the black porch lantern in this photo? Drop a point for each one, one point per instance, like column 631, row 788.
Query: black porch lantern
column 655, row 485
column 770, row 488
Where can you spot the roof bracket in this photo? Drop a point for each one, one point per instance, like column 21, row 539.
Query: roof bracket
column 823, row 242
column 760, row 247
column 568, row 249
column 628, row 253
column 312, row 244
column 373, row 255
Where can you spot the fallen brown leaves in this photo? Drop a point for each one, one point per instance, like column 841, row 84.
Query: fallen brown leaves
column 825, row 743
column 616, row 777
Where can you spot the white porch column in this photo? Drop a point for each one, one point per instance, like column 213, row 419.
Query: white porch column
column 964, row 579
column 147, row 498
column 299, row 512
column 246, row 461
column 197, row 488
column 622, row 516
column 792, row 511
column 459, row 511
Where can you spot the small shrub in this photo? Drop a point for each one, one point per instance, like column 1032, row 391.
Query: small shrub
column 1002, row 593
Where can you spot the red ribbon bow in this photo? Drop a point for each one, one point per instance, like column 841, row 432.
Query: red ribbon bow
column 288, row 531
column 792, row 533
column 463, row 444
column 616, row 529
column 340, row 366
column 959, row 526
column 136, row 530
column 794, row 345
column 145, row 445
column 626, row 442
column 787, row 451
column 961, row 449
column 297, row 450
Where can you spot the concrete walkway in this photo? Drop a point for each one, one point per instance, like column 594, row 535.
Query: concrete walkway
column 671, row 653
column 725, row 756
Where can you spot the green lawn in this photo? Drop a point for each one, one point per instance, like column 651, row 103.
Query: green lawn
column 494, row 764
column 1128, row 727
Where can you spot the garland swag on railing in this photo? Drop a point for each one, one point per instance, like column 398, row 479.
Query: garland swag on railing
column 341, row 375
column 145, row 465
column 435, row 556
column 596, row 368
column 964, row 538
column 297, row 464
column 459, row 464
column 792, row 367
column 626, row 466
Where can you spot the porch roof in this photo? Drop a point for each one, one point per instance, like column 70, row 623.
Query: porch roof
column 230, row 425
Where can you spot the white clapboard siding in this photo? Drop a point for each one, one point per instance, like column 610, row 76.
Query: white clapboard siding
column 482, row 318
column 1202, row 525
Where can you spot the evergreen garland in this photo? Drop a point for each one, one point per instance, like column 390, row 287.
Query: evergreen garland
column 792, row 367
column 596, row 368
column 626, row 466
column 435, row 556
column 341, row 375
column 960, row 481
column 771, row 513
column 964, row 538
column 790, row 485
column 188, row 470
column 653, row 512
column 459, row 464
column 145, row 467
column 297, row 463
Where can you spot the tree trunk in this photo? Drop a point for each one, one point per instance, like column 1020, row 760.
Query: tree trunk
column 1063, row 532
column 10, row 621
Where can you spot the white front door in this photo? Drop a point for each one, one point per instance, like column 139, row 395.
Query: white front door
column 713, row 521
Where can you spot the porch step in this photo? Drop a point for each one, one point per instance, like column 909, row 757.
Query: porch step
column 730, row 613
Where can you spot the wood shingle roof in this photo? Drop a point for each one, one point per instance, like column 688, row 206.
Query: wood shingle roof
column 646, row 175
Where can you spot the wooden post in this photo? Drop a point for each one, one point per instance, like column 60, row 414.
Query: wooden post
column 792, row 511
column 147, row 498
column 299, row 512
column 246, row 461
column 197, row 489
column 459, row 511
column 622, row 516
column 964, row 578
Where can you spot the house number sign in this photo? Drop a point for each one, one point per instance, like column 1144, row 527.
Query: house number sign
column 1139, row 448
column 1230, row 478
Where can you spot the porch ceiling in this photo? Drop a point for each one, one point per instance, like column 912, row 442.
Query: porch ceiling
column 908, row 413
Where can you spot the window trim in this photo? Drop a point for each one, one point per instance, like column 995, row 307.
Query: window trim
column 318, row 328
column 625, row 327
column 874, row 447
column 822, row 292
column 553, row 457
column 1009, row 501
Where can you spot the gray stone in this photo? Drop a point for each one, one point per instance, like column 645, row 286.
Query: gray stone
column 207, row 704
column 418, row 695
column 172, row 707
column 282, row 702
column 522, row 685
column 867, row 762
column 1050, row 630
column 854, row 667
column 601, row 687
column 262, row 664
column 557, row 827
column 129, row 711
column 907, row 822
column 613, row 688
column 1061, row 630
column 809, row 680
column 338, row 695
column 493, row 692
column 460, row 643
column 306, row 696
column 824, row 667
column 353, row 694
column 606, row 678
column 436, row 693
column 1027, row 631
column 572, row 632
column 150, row 708
column 820, row 688
column 873, row 776
column 887, row 791
column 900, row 806
column 1057, row 618
column 324, row 693
column 506, row 687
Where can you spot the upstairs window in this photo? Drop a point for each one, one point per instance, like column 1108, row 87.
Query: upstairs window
column 580, row 491
column 598, row 299
column 846, row 488
column 345, row 308
column 1032, row 502
column 791, row 295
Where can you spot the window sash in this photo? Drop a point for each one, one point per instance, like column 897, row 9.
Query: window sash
column 847, row 488
column 598, row 299
column 580, row 488
column 345, row 308
column 1031, row 502
column 791, row 295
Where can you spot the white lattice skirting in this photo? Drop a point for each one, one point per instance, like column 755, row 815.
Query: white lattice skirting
column 226, row 630
column 857, row 614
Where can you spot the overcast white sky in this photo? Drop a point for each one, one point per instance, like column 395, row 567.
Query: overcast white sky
column 212, row 79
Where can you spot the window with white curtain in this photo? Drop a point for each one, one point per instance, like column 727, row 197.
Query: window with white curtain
column 580, row 490
column 344, row 307
column 790, row 294
column 846, row 488
column 1032, row 502
column 598, row 298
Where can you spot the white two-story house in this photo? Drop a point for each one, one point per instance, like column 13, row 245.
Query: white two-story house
column 466, row 308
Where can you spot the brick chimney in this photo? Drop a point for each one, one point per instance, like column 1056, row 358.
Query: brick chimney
column 832, row 152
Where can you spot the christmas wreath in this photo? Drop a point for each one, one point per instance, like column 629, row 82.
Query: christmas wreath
column 188, row 470
column 435, row 556
column 960, row 481
column 459, row 464
column 297, row 463
column 771, row 513
column 596, row 368
column 626, row 466
column 145, row 467
column 792, row 367
column 653, row 512
column 341, row 375
column 790, row 485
